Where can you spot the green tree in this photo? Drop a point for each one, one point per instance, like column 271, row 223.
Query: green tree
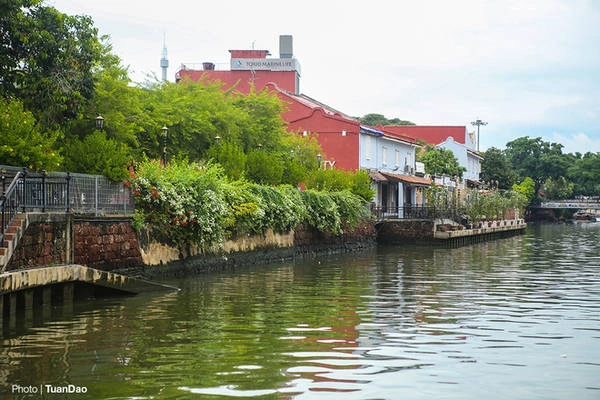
column 584, row 172
column 558, row 188
column 496, row 167
column 374, row 119
column 537, row 159
column 23, row 142
column 526, row 189
column 231, row 157
column 264, row 167
column 336, row 180
column 440, row 161
column 48, row 59
column 97, row 154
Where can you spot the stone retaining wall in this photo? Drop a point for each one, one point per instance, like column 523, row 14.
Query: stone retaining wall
column 111, row 244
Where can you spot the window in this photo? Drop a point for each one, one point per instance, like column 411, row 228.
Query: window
column 384, row 156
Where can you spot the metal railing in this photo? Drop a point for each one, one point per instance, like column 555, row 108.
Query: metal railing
column 24, row 191
column 9, row 203
column 419, row 212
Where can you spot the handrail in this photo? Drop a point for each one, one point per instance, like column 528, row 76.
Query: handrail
column 9, row 204
column 62, row 193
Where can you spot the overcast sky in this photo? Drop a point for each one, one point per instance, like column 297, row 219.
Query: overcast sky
column 526, row 67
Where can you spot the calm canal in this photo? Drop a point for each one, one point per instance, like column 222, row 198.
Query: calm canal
column 516, row 318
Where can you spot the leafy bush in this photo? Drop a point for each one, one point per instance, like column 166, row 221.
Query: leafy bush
column 322, row 211
column 334, row 180
column 281, row 212
column 182, row 204
column 195, row 204
column 350, row 207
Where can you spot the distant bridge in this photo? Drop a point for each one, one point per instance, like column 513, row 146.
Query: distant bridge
column 574, row 204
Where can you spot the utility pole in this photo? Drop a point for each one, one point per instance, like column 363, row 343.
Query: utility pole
column 478, row 123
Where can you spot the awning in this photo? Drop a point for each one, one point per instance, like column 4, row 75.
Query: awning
column 371, row 130
column 409, row 179
column 473, row 183
column 377, row 176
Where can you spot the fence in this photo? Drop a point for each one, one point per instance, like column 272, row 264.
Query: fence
column 419, row 212
column 23, row 191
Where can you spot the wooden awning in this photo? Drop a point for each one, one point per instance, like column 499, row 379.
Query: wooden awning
column 377, row 176
column 408, row 179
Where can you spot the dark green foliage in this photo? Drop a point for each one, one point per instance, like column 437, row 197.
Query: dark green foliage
column 440, row 161
column 496, row 167
column 378, row 119
column 191, row 203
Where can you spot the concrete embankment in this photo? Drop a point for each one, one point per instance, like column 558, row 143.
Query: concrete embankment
column 429, row 232
column 26, row 294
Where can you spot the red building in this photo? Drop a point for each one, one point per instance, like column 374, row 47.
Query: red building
column 252, row 68
column 337, row 133
column 433, row 134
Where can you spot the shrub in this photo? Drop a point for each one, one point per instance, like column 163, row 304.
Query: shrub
column 185, row 204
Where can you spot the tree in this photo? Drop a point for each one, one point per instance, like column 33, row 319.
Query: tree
column 537, row 159
column 585, row 174
column 440, row 161
column 231, row 157
column 526, row 188
column 264, row 167
column 48, row 59
column 496, row 167
column 558, row 188
column 97, row 154
column 378, row 119
column 23, row 142
column 336, row 180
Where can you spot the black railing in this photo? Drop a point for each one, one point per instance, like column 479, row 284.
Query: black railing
column 419, row 212
column 60, row 192
column 9, row 202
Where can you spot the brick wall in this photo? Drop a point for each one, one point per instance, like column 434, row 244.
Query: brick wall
column 404, row 231
column 105, row 244
column 44, row 243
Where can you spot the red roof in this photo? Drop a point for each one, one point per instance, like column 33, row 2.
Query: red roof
column 430, row 134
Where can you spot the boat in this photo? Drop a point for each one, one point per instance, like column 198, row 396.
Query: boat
column 582, row 216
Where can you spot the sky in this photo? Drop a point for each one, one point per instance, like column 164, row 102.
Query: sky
column 526, row 67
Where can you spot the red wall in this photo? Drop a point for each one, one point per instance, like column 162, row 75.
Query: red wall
column 244, row 79
column 343, row 150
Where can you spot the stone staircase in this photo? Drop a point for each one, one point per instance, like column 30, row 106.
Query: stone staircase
column 11, row 239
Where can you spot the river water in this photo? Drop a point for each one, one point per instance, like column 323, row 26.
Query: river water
column 516, row 318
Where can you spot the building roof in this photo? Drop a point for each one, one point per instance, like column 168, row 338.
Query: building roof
column 414, row 180
column 430, row 134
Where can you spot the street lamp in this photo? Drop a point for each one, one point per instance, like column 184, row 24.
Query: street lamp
column 165, row 132
column 319, row 159
column 478, row 123
column 99, row 122
column 218, row 139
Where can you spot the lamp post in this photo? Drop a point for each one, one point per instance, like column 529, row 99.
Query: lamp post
column 319, row 159
column 165, row 132
column 99, row 122
column 478, row 123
